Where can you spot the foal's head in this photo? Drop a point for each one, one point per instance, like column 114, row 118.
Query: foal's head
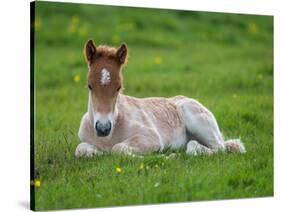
column 104, row 83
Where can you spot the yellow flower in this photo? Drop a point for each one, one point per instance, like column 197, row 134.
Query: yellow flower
column 253, row 27
column 37, row 24
column 115, row 39
column 141, row 166
column 37, row 183
column 71, row 28
column 73, row 24
column 118, row 170
column 234, row 96
column 157, row 60
column 75, row 19
column 76, row 78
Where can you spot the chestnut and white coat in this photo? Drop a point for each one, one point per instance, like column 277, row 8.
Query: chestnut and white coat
column 123, row 124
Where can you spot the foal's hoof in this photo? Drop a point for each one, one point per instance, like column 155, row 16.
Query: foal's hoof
column 194, row 149
column 85, row 149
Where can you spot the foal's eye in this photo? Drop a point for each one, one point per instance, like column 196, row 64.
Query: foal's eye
column 118, row 89
column 89, row 86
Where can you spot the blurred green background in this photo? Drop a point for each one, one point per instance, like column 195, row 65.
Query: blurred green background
column 223, row 60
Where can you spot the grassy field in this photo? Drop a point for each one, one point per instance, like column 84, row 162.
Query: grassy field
column 223, row 60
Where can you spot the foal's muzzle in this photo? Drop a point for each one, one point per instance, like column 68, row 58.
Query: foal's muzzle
column 103, row 129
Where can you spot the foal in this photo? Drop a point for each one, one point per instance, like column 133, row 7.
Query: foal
column 124, row 124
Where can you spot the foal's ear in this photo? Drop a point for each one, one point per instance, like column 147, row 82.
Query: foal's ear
column 122, row 53
column 90, row 50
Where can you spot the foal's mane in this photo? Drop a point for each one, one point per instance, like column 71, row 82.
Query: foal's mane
column 109, row 52
column 106, row 51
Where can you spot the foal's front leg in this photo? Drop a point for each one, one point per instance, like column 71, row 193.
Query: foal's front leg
column 86, row 149
column 138, row 144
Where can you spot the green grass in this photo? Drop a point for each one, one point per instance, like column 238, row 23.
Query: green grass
column 223, row 60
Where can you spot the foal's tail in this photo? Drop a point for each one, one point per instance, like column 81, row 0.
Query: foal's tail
column 235, row 145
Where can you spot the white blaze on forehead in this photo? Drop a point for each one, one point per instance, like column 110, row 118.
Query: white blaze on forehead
column 105, row 77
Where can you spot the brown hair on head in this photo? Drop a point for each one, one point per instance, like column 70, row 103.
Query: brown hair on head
column 92, row 52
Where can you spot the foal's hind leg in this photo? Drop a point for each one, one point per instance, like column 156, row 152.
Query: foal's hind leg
column 195, row 148
column 201, row 125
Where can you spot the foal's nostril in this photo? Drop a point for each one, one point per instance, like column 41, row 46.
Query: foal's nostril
column 103, row 129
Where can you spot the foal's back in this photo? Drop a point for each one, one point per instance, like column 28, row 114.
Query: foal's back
column 155, row 113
